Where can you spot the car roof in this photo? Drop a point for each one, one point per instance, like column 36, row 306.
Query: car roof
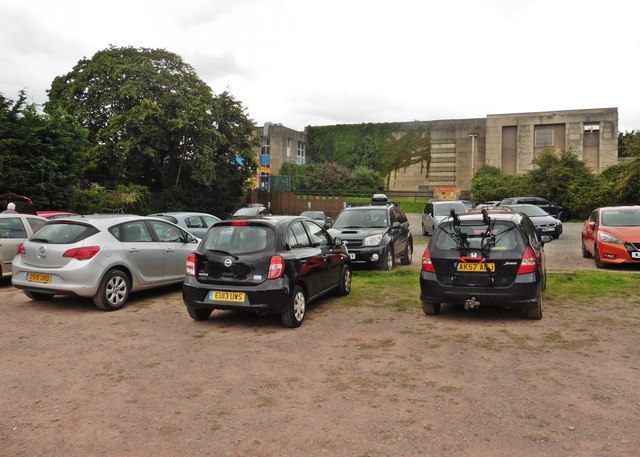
column 104, row 220
column 513, row 217
column 618, row 208
column 271, row 220
column 5, row 215
column 180, row 213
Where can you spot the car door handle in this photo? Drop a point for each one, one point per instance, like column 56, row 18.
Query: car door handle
column 169, row 250
column 133, row 250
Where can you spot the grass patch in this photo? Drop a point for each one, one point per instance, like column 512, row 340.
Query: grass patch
column 408, row 206
column 591, row 284
column 398, row 289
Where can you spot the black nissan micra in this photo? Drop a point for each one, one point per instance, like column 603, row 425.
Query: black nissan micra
column 272, row 264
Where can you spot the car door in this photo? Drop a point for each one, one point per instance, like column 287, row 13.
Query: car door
column 332, row 259
column 591, row 230
column 146, row 256
column 12, row 233
column 427, row 218
column 175, row 246
column 311, row 266
column 402, row 232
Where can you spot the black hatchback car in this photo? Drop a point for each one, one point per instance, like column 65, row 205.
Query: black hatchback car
column 376, row 233
column 484, row 259
column 271, row 264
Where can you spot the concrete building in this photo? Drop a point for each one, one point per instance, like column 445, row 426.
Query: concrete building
column 460, row 146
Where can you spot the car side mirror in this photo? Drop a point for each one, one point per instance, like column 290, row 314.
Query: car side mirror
column 328, row 225
column 337, row 241
column 592, row 225
column 395, row 225
column 546, row 238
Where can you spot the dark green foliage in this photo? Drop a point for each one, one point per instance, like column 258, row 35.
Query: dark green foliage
column 152, row 121
column 629, row 144
column 332, row 178
column 384, row 148
column 41, row 155
column 489, row 183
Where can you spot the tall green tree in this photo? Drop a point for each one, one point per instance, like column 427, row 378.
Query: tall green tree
column 41, row 155
column 629, row 144
column 152, row 121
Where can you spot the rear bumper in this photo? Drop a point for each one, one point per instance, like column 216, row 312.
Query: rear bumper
column 271, row 296
column 523, row 291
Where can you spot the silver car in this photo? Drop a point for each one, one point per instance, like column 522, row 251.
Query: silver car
column 102, row 256
column 195, row 223
column 437, row 211
column 14, row 229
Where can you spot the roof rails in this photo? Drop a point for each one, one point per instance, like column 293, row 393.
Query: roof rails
column 376, row 200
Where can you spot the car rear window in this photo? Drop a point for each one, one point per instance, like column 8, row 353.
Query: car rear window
column 63, row 233
column 502, row 236
column 444, row 209
column 239, row 239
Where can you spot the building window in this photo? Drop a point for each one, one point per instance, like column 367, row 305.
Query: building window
column 300, row 155
column 265, row 181
column 288, row 149
column 590, row 127
column 544, row 137
column 265, row 151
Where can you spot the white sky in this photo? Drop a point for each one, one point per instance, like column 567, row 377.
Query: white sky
column 300, row 62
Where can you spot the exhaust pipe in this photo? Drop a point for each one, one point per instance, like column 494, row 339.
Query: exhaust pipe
column 471, row 303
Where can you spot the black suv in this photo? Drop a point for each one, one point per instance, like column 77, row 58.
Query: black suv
column 557, row 211
column 271, row 264
column 484, row 259
column 376, row 233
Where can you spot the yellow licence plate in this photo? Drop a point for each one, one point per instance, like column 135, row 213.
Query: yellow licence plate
column 39, row 277
column 218, row 295
column 476, row 267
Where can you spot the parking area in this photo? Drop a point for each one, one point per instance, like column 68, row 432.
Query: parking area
column 353, row 380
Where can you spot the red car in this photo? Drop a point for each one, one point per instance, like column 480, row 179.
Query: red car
column 611, row 235
column 55, row 214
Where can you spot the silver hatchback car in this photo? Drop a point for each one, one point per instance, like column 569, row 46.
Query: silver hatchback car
column 102, row 256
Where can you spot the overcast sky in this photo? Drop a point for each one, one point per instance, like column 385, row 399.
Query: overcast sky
column 322, row 62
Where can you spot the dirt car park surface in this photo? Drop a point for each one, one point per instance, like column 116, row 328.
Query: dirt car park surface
column 352, row 381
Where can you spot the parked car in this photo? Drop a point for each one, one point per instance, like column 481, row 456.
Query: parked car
column 557, row 211
column 376, row 233
column 438, row 210
column 484, row 259
column 487, row 204
column 195, row 223
column 56, row 214
column 544, row 222
column 101, row 256
column 23, row 204
column 14, row 229
column 274, row 264
column 467, row 203
column 320, row 217
column 611, row 235
column 251, row 210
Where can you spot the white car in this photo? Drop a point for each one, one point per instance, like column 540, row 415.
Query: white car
column 102, row 256
column 437, row 211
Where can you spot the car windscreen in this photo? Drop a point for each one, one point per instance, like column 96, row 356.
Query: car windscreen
column 530, row 210
column 249, row 211
column 63, row 233
column 444, row 209
column 165, row 217
column 498, row 236
column 241, row 239
column 621, row 218
column 362, row 218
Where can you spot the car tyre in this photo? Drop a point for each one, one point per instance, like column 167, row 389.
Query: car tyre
column 431, row 308
column 586, row 254
column 199, row 314
column 424, row 231
column 344, row 286
column 387, row 259
column 113, row 291
column 38, row 296
column 563, row 216
column 534, row 311
column 293, row 316
column 596, row 256
column 407, row 257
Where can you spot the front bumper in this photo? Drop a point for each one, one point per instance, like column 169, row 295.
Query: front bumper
column 370, row 256
column 270, row 296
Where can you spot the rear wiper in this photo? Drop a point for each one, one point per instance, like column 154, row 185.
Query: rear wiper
column 39, row 240
column 220, row 251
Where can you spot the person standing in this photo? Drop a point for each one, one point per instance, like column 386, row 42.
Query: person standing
column 11, row 208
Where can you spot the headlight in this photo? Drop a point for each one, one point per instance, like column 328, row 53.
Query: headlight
column 372, row 240
column 604, row 236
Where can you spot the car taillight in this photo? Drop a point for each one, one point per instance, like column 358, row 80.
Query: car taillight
column 239, row 223
column 21, row 249
column 427, row 264
column 191, row 264
column 529, row 263
column 84, row 253
column 276, row 267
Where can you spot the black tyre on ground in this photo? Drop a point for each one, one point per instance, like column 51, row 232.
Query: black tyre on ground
column 586, row 254
column 430, row 308
column 424, row 231
column 344, row 286
column 534, row 311
column 38, row 296
column 563, row 216
column 293, row 316
column 387, row 259
column 408, row 254
column 199, row 314
column 113, row 291
column 596, row 257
